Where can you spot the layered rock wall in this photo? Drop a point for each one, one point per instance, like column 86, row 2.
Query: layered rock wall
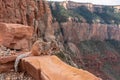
column 34, row 13
column 76, row 32
column 15, row 36
column 93, row 47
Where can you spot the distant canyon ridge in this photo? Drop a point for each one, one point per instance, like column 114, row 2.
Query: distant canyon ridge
column 91, row 36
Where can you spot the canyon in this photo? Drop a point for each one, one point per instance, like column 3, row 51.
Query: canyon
column 93, row 46
column 22, row 22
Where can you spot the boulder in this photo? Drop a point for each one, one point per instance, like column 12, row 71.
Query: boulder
column 52, row 68
column 35, row 13
column 6, row 59
column 15, row 36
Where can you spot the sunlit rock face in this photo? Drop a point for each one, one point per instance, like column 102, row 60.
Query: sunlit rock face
column 35, row 13
column 50, row 68
column 75, row 32
column 15, row 36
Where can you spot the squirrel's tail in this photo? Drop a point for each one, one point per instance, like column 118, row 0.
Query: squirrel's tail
column 18, row 60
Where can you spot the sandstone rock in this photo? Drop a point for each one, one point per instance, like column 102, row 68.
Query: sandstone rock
column 92, row 39
column 75, row 32
column 15, row 36
column 7, row 59
column 35, row 13
column 6, row 67
column 31, row 67
column 52, row 68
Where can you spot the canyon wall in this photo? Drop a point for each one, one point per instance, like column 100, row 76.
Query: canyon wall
column 89, row 37
column 13, row 35
column 35, row 13
column 76, row 32
column 93, row 47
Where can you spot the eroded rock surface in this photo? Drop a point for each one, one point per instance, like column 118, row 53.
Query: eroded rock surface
column 93, row 47
column 35, row 13
column 75, row 32
column 52, row 68
column 15, row 36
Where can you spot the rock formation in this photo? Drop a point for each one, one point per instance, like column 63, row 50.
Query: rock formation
column 15, row 36
column 93, row 47
column 35, row 13
column 18, row 19
column 52, row 68
column 75, row 32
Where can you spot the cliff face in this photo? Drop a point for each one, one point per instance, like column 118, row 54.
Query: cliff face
column 92, row 47
column 34, row 13
column 90, row 36
column 99, row 56
column 13, row 35
column 76, row 32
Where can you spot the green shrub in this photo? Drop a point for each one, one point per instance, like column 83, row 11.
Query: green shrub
column 88, row 15
column 109, row 16
column 60, row 13
column 106, row 16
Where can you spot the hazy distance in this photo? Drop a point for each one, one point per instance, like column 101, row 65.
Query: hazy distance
column 101, row 2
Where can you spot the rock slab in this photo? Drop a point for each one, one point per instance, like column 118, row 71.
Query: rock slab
column 15, row 36
column 52, row 68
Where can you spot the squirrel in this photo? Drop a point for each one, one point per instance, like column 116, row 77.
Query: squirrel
column 39, row 48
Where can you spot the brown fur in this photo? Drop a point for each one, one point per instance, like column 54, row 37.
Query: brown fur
column 44, row 48
column 39, row 48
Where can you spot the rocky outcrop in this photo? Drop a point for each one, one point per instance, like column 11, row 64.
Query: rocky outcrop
column 35, row 13
column 15, row 36
column 6, row 67
column 75, row 32
column 7, row 58
column 50, row 68
column 92, row 47
column 90, row 36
